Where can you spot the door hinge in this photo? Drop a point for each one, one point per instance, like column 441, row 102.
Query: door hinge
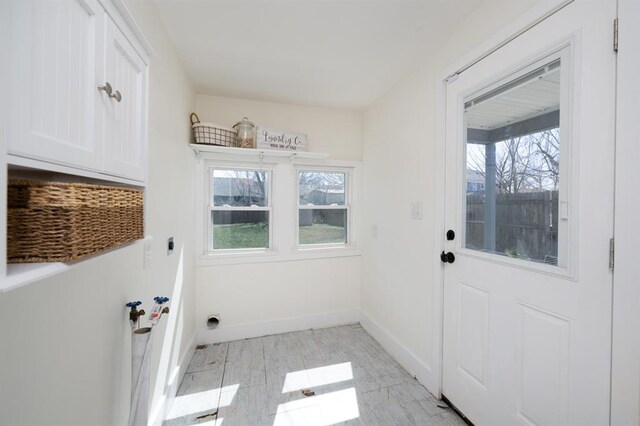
column 615, row 35
column 612, row 253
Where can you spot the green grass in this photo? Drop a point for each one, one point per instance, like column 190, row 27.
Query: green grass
column 256, row 235
column 241, row 235
column 321, row 234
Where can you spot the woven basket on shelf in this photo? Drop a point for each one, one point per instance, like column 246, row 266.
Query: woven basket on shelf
column 59, row 222
column 212, row 134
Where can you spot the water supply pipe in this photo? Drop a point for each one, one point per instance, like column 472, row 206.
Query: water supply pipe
column 141, row 344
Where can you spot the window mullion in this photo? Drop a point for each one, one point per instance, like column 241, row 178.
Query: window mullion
column 323, row 207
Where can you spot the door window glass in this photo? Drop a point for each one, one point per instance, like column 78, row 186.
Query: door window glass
column 512, row 161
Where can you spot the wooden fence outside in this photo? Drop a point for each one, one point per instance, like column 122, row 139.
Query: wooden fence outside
column 526, row 224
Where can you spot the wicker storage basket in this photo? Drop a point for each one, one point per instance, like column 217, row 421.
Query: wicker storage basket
column 59, row 222
column 212, row 134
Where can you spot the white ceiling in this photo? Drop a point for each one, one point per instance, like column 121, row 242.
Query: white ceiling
column 312, row 52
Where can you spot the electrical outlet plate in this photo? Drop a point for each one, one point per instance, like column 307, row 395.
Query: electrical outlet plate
column 416, row 210
column 147, row 254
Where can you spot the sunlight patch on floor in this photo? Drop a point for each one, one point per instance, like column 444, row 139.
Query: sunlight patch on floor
column 326, row 409
column 320, row 376
column 185, row 405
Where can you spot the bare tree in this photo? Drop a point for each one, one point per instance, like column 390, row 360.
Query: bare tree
column 547, row 145
column 308, row 182
column 248, row 187
column 523, row 164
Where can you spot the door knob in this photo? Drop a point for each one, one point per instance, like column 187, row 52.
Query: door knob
column 116, row 95
column 106, row 88
column 447, row 257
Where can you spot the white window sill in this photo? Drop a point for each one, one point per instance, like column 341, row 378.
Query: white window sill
column 274, row 256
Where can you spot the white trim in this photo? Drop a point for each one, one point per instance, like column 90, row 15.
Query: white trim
column 176, row 377
column 407, row 359
column 439, row 236
column 347, row 206
column 22, row 274
column 17, row 163
column 271, row 178
column 519, row 24
column 525, row 21
column 560, row 5
column 119, row 13
column 285, row 325
column 625, row 345
column 565, row 50
column 284, row 207
column 274, row 256
column 213, row 152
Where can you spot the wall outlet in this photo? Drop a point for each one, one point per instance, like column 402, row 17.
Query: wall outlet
column 146, row 260
column 416, row 210
column 374, row 231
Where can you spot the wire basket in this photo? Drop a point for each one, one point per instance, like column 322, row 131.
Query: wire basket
column 211, row 134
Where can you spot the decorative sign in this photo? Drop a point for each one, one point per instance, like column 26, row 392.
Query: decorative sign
column 277, row 139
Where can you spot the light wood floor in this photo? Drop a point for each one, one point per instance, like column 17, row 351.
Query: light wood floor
column 338, row 375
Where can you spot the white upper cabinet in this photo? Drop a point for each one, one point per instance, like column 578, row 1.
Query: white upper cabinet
column 52, row 80
column 78, row 87
column 124, row 128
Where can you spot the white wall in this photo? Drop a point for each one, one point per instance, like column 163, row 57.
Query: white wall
column 259, row 298
column 397, row 276
column 331, row 130
column 399, row 134
column 65, row 340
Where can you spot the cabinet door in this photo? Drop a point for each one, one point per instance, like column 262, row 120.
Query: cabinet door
column 55, row 50
column 125, row 119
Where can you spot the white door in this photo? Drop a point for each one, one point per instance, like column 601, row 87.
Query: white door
column 529, row 184
column 625, row 380
column 55, row 51
column 125, row 110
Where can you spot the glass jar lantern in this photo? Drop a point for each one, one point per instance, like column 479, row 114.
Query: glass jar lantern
column 246, row 133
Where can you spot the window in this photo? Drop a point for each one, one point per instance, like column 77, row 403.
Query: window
column 239, row 209
column 515, row 145
column 267, row 208
column 323, row 208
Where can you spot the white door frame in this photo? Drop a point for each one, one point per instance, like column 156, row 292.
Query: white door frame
column 517, row 27
column 625, row 368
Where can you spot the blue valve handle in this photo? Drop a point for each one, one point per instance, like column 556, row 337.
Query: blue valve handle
column 134, row 304
column 160, row 300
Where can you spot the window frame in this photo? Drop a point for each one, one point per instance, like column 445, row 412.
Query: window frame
column 348, row 190
column 210, row 207
column 568, row 191
column 283, row 220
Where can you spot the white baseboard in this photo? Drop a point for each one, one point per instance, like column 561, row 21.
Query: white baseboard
column 399, row 352
column 173, row 383
column 246, row 331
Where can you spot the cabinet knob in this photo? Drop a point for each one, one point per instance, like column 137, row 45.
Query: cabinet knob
column 106, row 88
column 117, row 96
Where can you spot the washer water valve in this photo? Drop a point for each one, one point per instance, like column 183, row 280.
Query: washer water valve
column 158, row 309
column 135, row 314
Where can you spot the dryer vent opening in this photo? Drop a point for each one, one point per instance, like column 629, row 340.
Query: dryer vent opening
column 213, row 321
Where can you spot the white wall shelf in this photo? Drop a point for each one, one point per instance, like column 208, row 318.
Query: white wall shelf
column 21, row 274
column 206, row 150
column 75, row 174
